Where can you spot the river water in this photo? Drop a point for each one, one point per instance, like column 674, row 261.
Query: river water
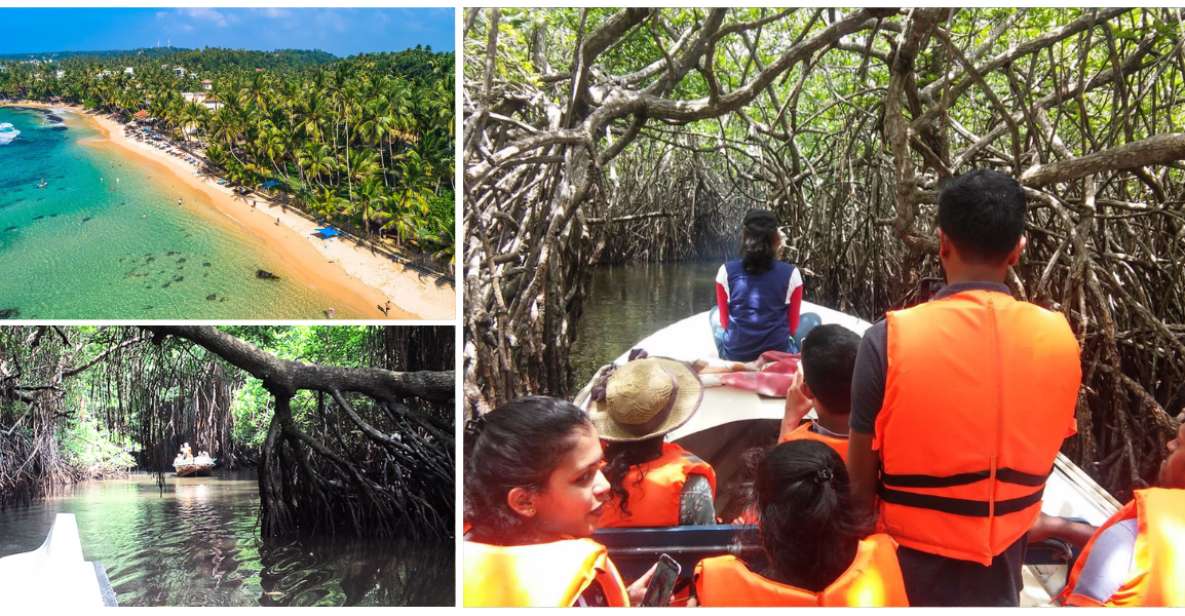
column 197, row 544
column 104, row 239
column 626, row 303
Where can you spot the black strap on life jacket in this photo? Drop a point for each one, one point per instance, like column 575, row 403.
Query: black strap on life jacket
column 961, row 506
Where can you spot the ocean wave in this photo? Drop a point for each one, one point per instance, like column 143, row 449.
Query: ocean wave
column 8, row 132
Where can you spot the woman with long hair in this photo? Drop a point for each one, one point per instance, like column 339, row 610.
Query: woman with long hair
column 758, row 297
column 533, row 494
column 816, row 544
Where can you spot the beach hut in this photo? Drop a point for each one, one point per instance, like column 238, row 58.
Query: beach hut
column 141, row 115
column 326, row 232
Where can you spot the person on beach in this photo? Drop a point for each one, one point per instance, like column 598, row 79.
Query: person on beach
column 818, row 549
column 1135, row 559
column 758, row 297
column 653, row 482
column 533, row 493
column 959, row 406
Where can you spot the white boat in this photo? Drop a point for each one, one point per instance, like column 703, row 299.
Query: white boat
column 199, row 466
column 731, row 420
column 55, row 575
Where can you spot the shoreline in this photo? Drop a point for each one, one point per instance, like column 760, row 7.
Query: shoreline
column 350, row 274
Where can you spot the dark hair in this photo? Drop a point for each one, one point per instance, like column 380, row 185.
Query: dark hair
column 517, row 444
column 740, row 493
column 757, row 237
column 828, row 359
column 809, row 527
column 620, row 456
column 983, row 214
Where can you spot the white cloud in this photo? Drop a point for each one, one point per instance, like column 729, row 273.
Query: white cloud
column 209, row 16
column 273, row 13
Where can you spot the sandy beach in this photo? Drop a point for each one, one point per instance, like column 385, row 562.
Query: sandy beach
column 350, row 276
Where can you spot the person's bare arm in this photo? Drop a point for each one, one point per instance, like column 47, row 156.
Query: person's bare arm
column 1056, row 527
column 863, row 463
column 797, row 406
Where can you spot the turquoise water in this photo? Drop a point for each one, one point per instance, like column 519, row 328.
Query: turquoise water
column 104, row 240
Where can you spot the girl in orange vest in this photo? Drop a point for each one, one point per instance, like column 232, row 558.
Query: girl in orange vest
column 1137, row 558
column 533, row 494
column 812, row 538
column 653, row 482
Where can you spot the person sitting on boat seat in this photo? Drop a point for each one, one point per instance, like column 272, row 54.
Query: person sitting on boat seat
column 816, row 543
column 758, row 297
column 186, row 452
column 824, row 382
column 653, row 482
column 533, row 492
column 1137, row 558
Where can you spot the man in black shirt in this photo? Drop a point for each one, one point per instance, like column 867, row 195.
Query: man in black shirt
column 948, row 389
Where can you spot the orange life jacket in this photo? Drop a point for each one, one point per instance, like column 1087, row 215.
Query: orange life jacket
column 538, row 575
column 840, row 445
column 1158, row 567
column 872, row 580
column 980, row 391
column 655, row 488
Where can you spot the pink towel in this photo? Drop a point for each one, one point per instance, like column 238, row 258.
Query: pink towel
column 774, row 378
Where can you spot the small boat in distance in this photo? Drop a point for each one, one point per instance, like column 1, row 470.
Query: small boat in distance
column 197, row 467
column 188, row 465
column 42, row 183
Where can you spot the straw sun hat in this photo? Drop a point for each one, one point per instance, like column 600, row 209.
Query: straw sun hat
column 643, row 399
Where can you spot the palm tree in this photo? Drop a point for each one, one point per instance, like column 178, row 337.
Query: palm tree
column 318, row 160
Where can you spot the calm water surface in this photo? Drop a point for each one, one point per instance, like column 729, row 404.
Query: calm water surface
column 629, row 302
column 104, row 239
column 198, row 544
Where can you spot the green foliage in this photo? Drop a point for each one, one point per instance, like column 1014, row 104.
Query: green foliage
column 87, row 445
column 251, row 412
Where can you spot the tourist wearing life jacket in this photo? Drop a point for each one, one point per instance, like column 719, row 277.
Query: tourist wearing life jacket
column 652, row 482
column 1137, row 558
column 959, row 407
column 825, row 384
column 758, row 297
column 815, row 542
column 533, row 494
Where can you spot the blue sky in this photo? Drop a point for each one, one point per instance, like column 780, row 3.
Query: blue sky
column 341, row 32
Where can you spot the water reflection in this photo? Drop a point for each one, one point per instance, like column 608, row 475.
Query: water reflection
column 195, row 542
column 626, row 303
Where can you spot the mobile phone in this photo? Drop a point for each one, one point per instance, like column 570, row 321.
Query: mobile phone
column 658, row 593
